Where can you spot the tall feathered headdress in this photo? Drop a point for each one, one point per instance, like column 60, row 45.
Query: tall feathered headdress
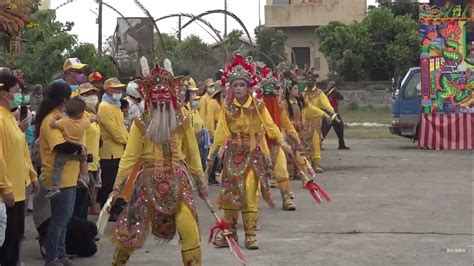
column 240, row 68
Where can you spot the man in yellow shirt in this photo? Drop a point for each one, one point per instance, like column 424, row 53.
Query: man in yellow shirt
column 114, row 136
column 74, row 74
column 16, row 170
column 316, row 97
column 210, row 89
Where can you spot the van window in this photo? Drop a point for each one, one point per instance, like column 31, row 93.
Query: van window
column 413, row 88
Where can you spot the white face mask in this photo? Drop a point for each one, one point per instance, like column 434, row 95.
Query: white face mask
column 91, row 101
column 117, row 96
column 141, row 105
column 211, row 90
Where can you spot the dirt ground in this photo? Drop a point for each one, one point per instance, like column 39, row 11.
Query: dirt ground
column 392, row 204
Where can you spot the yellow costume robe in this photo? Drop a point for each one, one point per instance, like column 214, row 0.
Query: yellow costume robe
column 318, row 99
column 161, row 195
column 303, row 121
column 240, row 134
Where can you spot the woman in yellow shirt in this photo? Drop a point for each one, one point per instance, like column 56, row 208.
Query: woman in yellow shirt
column 153, row 177
column 52, row 141
column 240, row 135
column 17, row 170
column 301, row 114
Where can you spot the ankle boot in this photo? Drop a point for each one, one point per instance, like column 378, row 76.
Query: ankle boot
column 250, row 219
column 121, row 256
column 191, row 257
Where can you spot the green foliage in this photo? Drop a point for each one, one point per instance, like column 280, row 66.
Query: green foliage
column 383, row 45
column 270, row 46
column 43, row 48
column 409, row 8
column 87, row 53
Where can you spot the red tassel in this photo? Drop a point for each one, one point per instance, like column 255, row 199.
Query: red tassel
column 321, row 190
column 218, row 227
column 312, row 188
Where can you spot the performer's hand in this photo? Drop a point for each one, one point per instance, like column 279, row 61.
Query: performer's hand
column 203, row 192
column 114, row 195
column 9, row 199
column 311, row 172
column 36, row 187
column 210, row 165
column 288, row 151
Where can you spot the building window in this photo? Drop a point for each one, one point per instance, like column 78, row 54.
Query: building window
column 281, row 2
column 301, row 56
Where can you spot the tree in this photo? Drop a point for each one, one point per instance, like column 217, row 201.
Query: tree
column 380, row 47
column 401, row 7
column 43, row 47
column 270, row 46
column 87, row 53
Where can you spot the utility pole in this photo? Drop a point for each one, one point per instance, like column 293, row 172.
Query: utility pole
column 259, row 20
column 179, row 29
column 99, row 21
column 225, row 19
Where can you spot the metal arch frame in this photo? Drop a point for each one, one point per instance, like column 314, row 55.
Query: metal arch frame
column 192, row 17
column 162, row 43
column 221, row 11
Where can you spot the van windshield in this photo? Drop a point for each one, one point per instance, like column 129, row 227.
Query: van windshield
column 413, row 88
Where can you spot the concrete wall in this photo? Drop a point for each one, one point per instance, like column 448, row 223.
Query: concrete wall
column 306, row 37
column 366, row 98
column 299, row 14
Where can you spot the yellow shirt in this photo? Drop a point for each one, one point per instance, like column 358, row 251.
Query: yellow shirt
column 5, row 183
column 113, row 131
column 196, row 121
column 247, row 121
column 287, row 126
column 213, row 112
column 17, row 170
column 203, row 104
column 318, row 98
column 140, row 148
column 93, row 142
column 72, row 129
column 48, row 139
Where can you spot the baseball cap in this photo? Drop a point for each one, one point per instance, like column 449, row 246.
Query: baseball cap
column 95, row 76
column 113, row 83
column 132, row 89
column 83, row 88
column 74, row 64
column 209, row 83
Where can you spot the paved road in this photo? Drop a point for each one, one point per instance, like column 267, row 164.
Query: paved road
column 393, row 204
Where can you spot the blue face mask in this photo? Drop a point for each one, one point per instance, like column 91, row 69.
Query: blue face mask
column 195, row 104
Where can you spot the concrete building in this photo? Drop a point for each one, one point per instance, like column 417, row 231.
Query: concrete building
column 45, row 4
column 299, row 19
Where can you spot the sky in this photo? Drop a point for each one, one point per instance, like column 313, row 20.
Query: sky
column 81, row 12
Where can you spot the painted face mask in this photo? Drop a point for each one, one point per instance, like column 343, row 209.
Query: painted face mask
column 269, row 89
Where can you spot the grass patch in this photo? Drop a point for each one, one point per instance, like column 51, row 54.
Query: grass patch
column 366, row 114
